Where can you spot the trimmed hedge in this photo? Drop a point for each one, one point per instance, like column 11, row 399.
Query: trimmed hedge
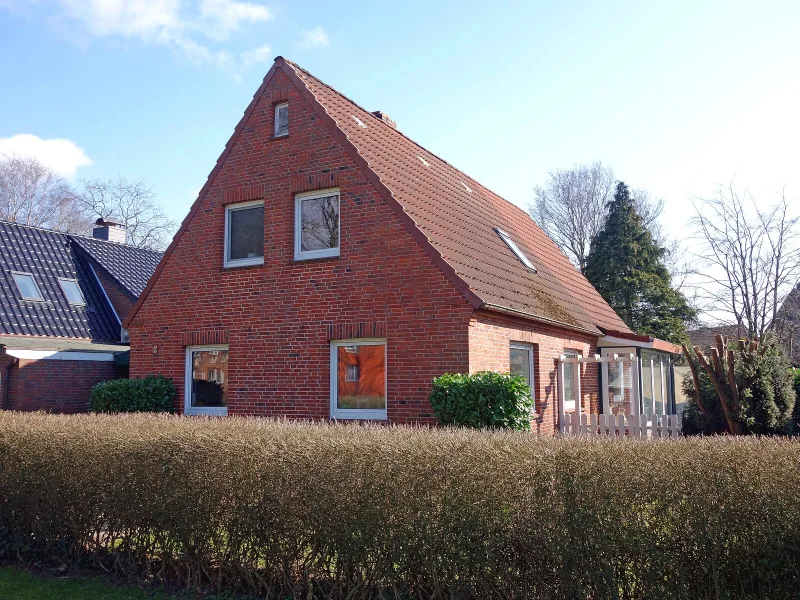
column 153, row 393
column 305, row 510
column 483, row 399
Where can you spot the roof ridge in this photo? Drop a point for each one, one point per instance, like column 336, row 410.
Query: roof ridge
column 76, row 235
column 397, row 131
column 118, row 244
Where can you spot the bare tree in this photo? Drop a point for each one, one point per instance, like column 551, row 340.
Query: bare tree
column 752, row 255
column 572, row 206
column 32, row 194
column 130, row 203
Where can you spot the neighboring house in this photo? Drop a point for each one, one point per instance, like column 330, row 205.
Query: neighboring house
column 331, row 268
column 62, row 301
column 788, row 325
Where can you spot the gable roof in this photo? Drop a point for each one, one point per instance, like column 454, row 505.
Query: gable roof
column 452, row 216
column 130, row 267
column 49, row 255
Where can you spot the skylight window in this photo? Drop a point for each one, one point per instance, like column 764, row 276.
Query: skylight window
column 359, row 122
column 515, row 249
column 423, row 161
column 72, row 291
column 466, row 187
column 27, row 286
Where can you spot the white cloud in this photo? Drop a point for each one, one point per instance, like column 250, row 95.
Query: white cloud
column 220, row 18
column 315, row 37
column 178, row 24
column 61, row 155
column 255, row 56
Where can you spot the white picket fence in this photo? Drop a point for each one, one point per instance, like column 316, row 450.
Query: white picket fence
column 662, row 426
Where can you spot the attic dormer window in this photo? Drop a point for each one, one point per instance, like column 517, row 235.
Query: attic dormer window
column 281, row 119
column 515, row 249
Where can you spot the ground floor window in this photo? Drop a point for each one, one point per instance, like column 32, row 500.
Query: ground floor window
column 521, row 362
column 571, row 372
column 206, row 380
column 358, row 379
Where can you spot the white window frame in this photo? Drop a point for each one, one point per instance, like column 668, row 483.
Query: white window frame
column 238, row 262
column 356, row 413
column 530, row 350
column 299, row 253
column 61, row 281
column 275, row 132
column 569, row 405
column 515, row 249
column 188, row 409
column 40, row 298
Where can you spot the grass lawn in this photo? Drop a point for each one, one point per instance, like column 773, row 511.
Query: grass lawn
column 16, row 584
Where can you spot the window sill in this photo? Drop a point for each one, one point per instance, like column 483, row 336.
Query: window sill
column 359, row 415
column 206, row 412
column 321, row 256
column 279, row 137
column 248, row 265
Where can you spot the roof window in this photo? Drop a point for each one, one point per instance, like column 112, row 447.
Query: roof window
column 515, row 249
column 359, row 122
column 27, row 287
column 466, row 187
column 423, row 161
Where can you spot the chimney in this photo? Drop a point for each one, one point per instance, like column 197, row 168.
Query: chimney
column 385, row 118
column 109, row 231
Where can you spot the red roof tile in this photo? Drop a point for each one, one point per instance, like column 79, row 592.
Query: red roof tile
column 452, row 216
column 458, row 216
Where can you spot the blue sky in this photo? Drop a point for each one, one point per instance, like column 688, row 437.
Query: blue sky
column 675, row 96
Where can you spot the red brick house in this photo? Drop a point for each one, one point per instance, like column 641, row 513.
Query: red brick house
column 62, row 301
column 338, row 267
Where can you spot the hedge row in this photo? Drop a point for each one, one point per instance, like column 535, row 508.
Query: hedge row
column 306, row 510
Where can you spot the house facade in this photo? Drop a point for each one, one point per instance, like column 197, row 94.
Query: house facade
column 62, row 301
column 331, row 268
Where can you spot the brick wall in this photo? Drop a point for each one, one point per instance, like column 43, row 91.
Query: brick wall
column 277, row 318
column 60, row 386
column 120, row 299
column 490, row 337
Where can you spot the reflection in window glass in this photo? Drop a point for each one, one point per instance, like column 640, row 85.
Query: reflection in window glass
column 619, row 380
column 246, row 233
column 27, row 286
column 72, row 291
column 319, row 223
column 209, row 374
column 361, row 377
column 658, row 392
column 521, row 363
column 569, row 377
column 647, row 383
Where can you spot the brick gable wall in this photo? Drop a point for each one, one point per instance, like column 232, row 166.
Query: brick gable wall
column 490, row 336
column 278, row 318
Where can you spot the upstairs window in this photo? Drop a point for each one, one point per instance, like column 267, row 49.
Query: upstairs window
column 244, row 234
column 72, row 291
column 515, row 249
column 316, row 225
column 281, row 119
column 27, row 286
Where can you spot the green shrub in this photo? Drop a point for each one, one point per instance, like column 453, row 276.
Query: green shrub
column 484, row 399
column 301, row 510
column 153, row 393
column 767, row 404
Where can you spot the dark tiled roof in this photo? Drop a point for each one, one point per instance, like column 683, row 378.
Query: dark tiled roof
column 459, row 216
column 48, row 255
column 130, row 266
